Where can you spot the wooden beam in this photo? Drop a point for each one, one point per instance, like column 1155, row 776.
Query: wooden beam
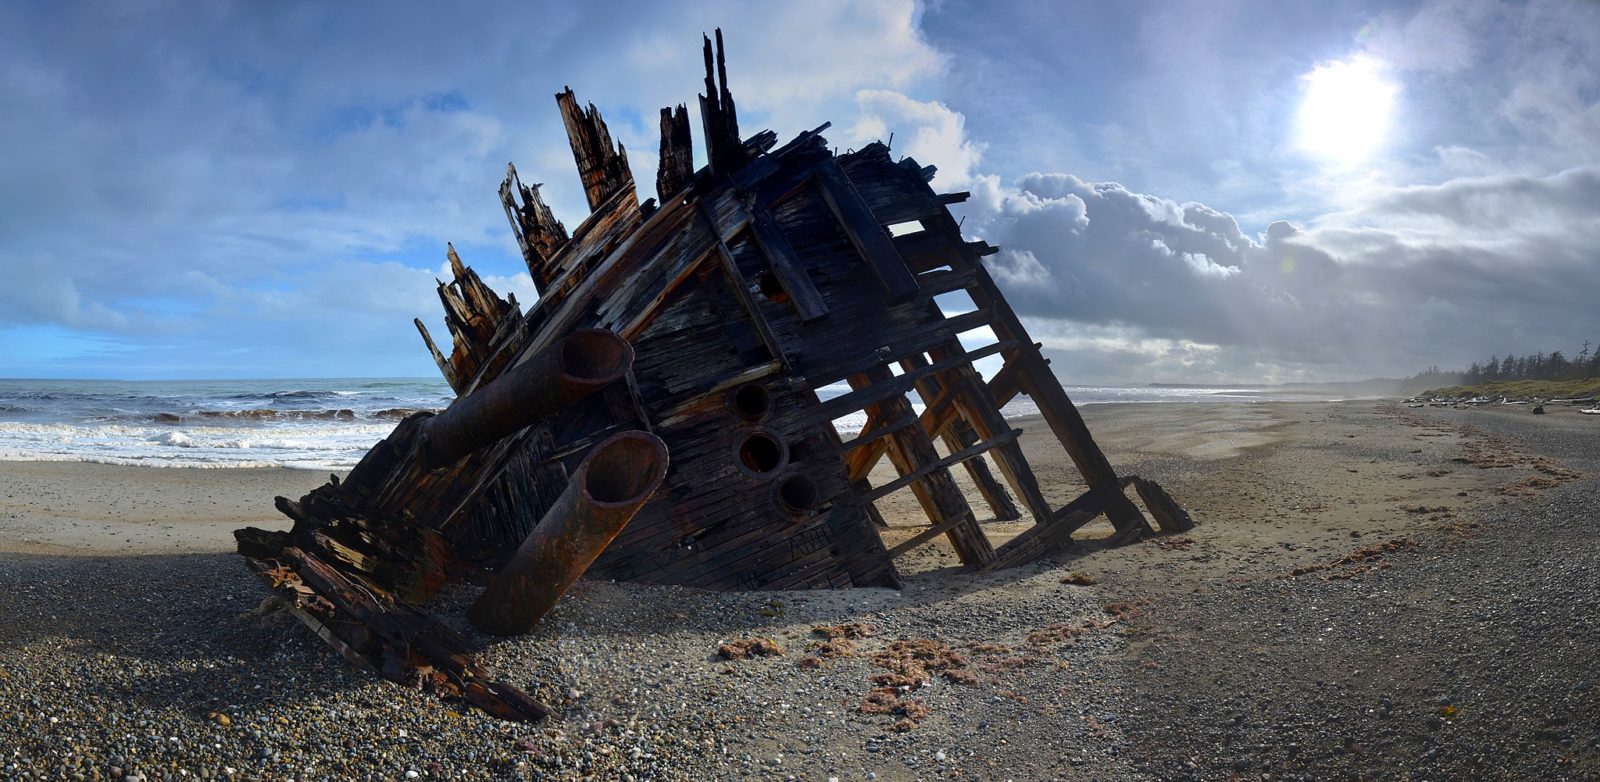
column 936, row 491
column 920, row 343
column 894, row 385
column 923, row 537
column 1041, row 539
column 957, row 434
column 786, row 264
column 1169, row 515
column 926, row 250
column 865, row 232
column 941, row 464
column 871, row 434
column 741, row 290
column 983, row 411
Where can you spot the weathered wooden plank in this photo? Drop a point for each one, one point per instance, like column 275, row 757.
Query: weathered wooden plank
column 940, row 282
column 931, row 334
column 941, row 464
column 1167, row 513
column 866, row 233
column 787, row 266
column 895, row 385
column 936, row 490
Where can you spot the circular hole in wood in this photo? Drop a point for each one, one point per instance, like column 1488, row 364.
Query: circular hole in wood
column 797, row 494
column 771, row 287
column 760, row 454
column 751, row 400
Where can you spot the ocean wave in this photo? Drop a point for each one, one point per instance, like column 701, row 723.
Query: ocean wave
column 311, row 394
column 308, row 445
column 258, row 413
column 267, row 414
column 7, row 455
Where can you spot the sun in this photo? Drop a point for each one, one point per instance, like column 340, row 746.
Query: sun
column 1347, row 111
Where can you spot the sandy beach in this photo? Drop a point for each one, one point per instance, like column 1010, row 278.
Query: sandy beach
column 1372, row 592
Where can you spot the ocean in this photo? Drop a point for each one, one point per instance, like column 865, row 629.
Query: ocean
column 322, row 424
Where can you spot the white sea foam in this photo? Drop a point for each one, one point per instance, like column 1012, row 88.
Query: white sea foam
column 305, row 446
column 307, row 424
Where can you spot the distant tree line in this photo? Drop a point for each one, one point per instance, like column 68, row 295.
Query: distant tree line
column 1554, row 365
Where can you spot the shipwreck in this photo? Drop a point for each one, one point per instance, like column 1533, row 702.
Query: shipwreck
column 654, row 416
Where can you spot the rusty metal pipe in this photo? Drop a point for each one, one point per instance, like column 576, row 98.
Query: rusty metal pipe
column 582, row 363
column 607, row 489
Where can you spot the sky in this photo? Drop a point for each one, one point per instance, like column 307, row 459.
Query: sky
column 1182, row 191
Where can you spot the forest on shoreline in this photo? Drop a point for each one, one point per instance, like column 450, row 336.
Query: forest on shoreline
column 1538, row 374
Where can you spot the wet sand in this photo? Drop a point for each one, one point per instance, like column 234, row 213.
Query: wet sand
column 79, row 508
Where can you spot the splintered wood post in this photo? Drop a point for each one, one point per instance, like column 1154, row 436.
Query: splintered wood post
column 602, row 166
column 538, row 233
column 719, row 119
column 438, row 358
column 676, row 171
column 937, row 492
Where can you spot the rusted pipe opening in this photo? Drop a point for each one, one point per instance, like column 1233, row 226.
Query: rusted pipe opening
column 595, row 356
column 761, row 453
column 751, row 400
column 797, row 494
column 584, row 362
column 614, row 481
column 624, row 468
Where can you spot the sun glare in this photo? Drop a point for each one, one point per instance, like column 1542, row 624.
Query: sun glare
column 1347, row 110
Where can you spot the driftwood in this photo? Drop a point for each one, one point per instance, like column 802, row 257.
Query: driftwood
column 714, row 326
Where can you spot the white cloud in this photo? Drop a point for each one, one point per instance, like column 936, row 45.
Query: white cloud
column 283, row 158
column 1131, row 286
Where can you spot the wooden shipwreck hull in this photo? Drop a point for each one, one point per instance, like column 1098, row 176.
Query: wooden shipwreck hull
column 696, row 326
